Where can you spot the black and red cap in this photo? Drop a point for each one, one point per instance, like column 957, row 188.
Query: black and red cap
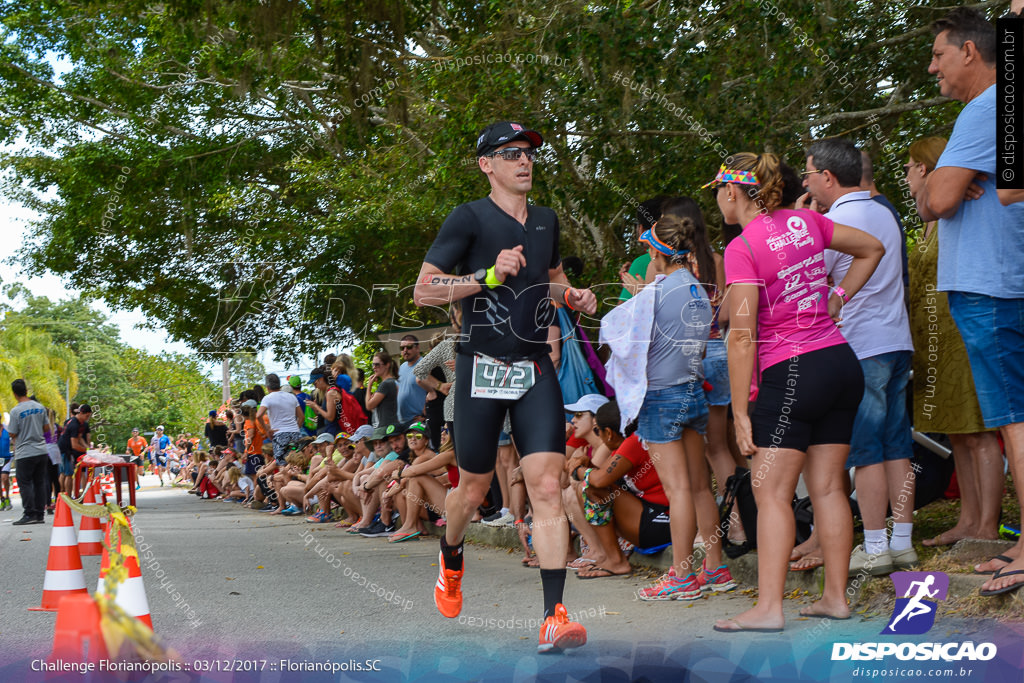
column 502, row 133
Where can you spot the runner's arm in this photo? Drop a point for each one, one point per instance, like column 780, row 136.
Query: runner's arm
column 435, row 288
column 578, row 299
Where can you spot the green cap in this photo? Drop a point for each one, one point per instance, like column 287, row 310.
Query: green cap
column 417, row 427
column 379, row 433
column 295, row 381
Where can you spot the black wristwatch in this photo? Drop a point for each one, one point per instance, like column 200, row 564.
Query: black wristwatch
column 481, row 276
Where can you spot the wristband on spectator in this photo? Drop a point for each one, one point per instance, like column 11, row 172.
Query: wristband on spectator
column 492, row 278
column 842, row 294
column 586, row 475
column 566, row 297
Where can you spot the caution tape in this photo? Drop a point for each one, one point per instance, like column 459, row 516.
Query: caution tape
column 123, row 635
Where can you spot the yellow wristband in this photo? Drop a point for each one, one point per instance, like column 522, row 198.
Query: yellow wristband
column 492, row 279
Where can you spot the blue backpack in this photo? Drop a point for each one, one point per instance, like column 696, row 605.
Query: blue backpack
column 574, row 373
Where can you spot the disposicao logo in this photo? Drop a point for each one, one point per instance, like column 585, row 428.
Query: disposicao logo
column 917, row 598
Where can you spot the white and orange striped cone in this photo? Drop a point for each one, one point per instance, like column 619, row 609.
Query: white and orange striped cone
column 105, row 559
column 90, row 533
column 131, row 595
column 64, row 575
column 14, row 487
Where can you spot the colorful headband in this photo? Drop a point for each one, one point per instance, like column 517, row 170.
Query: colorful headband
column 727, row 175
column 653, row 240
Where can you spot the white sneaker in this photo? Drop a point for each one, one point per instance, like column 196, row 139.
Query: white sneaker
column 505, row 520
column 875, row 564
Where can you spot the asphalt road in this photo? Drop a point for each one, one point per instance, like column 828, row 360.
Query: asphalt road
column 231, row 590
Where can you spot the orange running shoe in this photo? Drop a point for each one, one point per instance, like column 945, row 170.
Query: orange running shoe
column 557, row 633
column 448, row 590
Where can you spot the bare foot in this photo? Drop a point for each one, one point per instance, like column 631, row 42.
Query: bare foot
column 826, row 611
column 581, row 563
column 598, row 572
column 753, row 619
column 1009, row 576
column 949, row 537
column 808, row 547
column 806, row 563
column 995, row 564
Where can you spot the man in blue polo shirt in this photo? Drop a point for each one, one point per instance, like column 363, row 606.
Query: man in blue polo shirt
column 980, row 263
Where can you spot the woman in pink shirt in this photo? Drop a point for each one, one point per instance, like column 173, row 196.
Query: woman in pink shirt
column 807, row 381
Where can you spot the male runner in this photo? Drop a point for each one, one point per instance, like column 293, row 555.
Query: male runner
column 508, row 269
column 158, row 446
column 136, row 446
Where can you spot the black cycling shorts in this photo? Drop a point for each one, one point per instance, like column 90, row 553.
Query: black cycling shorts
column 809, row 400
column 654, row 526
column 538, row 418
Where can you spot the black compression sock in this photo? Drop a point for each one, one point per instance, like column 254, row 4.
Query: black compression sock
column 553, row 582
column 452, row 555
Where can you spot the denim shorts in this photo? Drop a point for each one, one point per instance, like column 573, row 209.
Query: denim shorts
column 716, row 372
column 67, row 464
column 881, row 430
column 993, row 332
column 667, row 412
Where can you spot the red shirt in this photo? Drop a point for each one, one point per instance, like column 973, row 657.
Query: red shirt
column 642, row 480
column 575, row 442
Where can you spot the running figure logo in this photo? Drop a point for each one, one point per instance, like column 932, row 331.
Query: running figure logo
column 917, row 596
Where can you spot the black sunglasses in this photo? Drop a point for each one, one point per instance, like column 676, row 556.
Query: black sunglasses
column 513, row 153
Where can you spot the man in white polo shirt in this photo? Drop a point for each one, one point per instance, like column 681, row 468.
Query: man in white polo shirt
column 876, row 325
column 285, row 417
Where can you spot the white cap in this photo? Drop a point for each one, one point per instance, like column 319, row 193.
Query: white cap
column 589, row 402
column 364, row 432
column 160, row 427
column 324, row 438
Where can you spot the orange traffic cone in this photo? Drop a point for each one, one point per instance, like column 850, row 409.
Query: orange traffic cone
column 90, row 536
column 64, row 574
column 105, row 559
column 131, row 595
column 77, row 636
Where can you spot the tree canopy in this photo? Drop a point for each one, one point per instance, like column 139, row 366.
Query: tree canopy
column 270, row 174
column 50, row 343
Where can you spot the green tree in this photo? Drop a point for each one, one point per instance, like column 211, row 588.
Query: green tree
column 47, row 367
column 246, row 370
column 126, row 387
column 270, row 175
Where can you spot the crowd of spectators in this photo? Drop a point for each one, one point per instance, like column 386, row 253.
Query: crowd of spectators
column 712, row 362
